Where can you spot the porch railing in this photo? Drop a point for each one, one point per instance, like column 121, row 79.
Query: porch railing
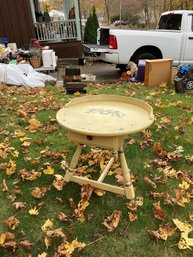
column 56, row 30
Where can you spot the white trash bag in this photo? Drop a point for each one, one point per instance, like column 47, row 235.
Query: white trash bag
column 23, row 75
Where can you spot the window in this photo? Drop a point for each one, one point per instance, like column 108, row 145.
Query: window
column 170, row 22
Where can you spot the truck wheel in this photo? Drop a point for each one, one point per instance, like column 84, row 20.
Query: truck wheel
column 143, row 56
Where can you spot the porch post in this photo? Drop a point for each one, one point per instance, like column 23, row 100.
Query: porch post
column 77, row 16
column 66, row 8
column 32, row 10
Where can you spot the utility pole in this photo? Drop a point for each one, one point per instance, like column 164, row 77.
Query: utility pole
column 120, row 10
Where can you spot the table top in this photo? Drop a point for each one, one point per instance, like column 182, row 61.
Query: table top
column 105, row 115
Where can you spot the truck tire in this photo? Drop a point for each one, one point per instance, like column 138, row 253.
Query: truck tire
column 143, row 56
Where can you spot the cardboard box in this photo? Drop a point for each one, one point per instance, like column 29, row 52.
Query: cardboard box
column 158, row 71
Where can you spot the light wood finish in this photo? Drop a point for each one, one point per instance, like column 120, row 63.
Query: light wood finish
column 104, row 121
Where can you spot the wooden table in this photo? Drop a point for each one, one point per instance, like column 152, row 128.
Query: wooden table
column 104, row 121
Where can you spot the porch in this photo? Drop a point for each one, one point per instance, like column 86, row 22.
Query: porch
column 63, row 33
column 64, row 28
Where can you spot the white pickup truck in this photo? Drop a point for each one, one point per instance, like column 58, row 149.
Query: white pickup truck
column 172, row 38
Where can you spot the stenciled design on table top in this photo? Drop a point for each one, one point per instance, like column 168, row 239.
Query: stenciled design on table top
column 110, row 112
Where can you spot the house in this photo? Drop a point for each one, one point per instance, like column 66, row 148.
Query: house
column 21, row 21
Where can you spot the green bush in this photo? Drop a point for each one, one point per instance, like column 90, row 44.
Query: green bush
column 90, row 32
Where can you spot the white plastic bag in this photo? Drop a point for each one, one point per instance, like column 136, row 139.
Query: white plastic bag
column 23, row 74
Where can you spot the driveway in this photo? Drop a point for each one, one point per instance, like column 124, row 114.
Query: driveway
column 102, row 71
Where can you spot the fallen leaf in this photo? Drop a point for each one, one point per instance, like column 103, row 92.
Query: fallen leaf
column 48, row 171
column 42, row 254
column 59, row 183
column 19, row 205
column 7, row 240
column 99, row 192
column 12, row 222
column 158, row 212
column 150, row 182
column 132, row 217
column 112, row 221
column 33, row 211
column 164, row 231
column 47, row 225
column 39, row 193
column 63, row 217
column 11, row 169
column 184, row 185
column 5, row 187
column 27, row 244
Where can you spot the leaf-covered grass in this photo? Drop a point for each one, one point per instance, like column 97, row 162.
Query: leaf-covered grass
column 160, row 160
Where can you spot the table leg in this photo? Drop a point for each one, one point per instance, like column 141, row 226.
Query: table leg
column 73, row 163
column 129, row 190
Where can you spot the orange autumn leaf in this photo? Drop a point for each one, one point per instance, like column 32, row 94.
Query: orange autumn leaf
column 12, row 222
column 150, row 182
column 158, row 212
column 159, row 150
column 112, row 221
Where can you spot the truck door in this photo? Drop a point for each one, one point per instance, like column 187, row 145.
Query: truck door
column 188, row 43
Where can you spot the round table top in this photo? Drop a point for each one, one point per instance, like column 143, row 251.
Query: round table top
column 105, row 115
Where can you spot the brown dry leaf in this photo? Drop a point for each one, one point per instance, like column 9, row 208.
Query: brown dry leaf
column 71, row 201
column 58, row 183
column 34, row 125
column 112, row 221
column 3, row 165
column 29, row 175
column 164, row 231
column 163, row 85
column 19, row 205
column 21, row 113
column 12, row 222
column 39, row 193
column 11, row 169
column 159, row 150
column 158, row 212
column 27, row 244
column 132, row 217
column 66, row 249
column 64, row 165
column 133, row 205
column 53, row 233
column 5, row 187
column 99, row 192
column 63, row 217
column 86, row 192
column 147, row 134
column 7, row 240
column 150, row 182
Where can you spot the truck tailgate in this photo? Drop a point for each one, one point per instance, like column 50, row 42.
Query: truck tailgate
column 95, row 48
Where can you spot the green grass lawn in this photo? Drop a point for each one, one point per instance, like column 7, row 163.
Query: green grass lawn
column 35, row 152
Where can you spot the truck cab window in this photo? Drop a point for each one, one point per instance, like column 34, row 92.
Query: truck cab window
column 170, row 22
